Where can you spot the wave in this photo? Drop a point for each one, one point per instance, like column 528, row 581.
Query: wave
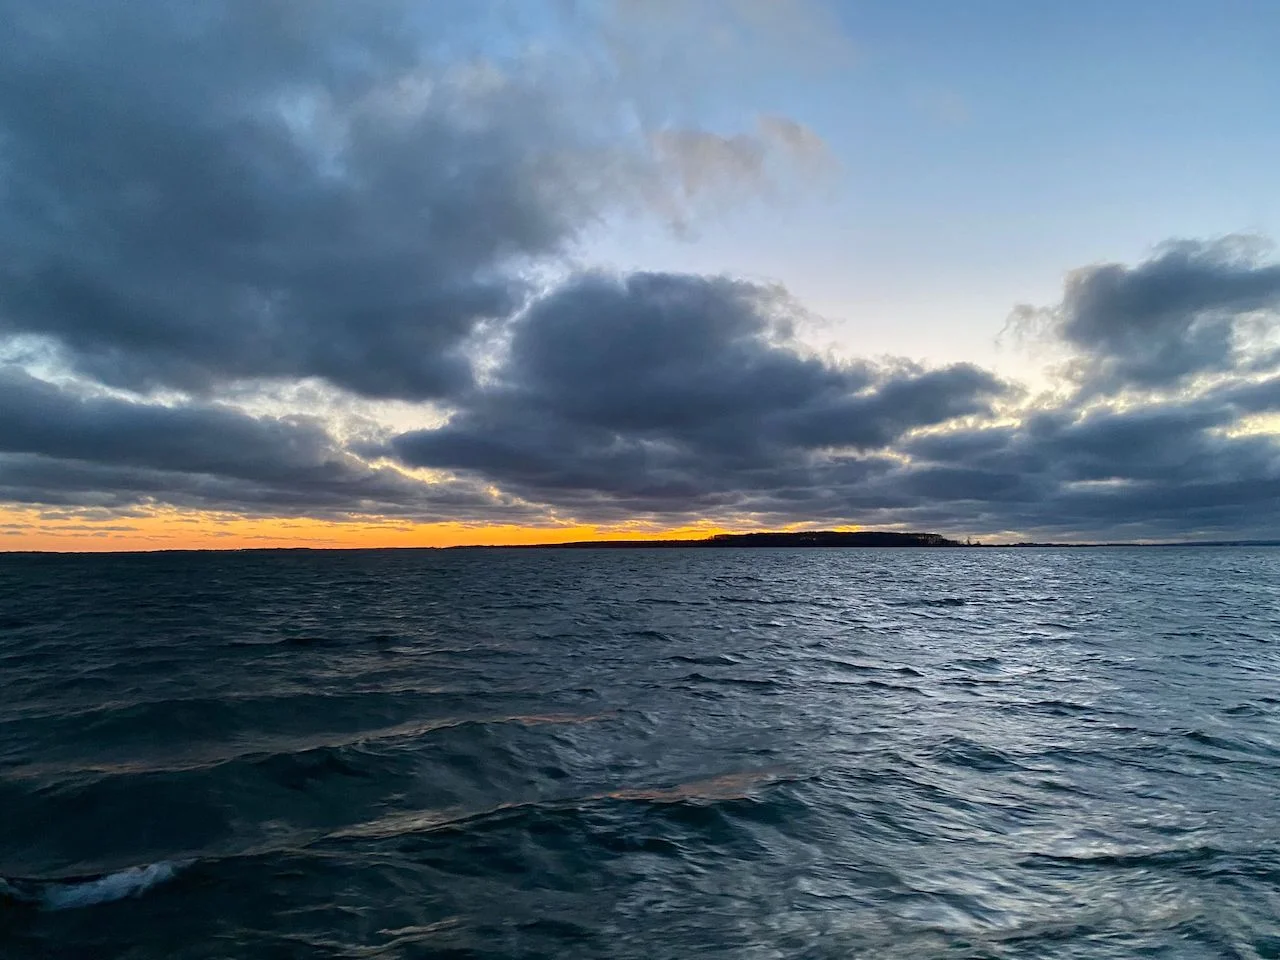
column 760, row 682
column 708, row 660
column 760, row 601
column 79, row 892
column 966, row 601
column 1188, row 858
column 269, row 748
column 931, row 602
column 860, row 668
column 709, row 790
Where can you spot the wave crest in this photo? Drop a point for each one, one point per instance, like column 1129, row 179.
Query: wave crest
column 91, row 891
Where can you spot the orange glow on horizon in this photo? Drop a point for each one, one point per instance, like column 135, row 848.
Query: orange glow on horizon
column 26, row 530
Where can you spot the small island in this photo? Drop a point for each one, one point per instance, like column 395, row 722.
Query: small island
column 801, row 538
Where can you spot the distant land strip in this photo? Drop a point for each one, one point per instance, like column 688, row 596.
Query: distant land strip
column 838, row 538
column 801, row 538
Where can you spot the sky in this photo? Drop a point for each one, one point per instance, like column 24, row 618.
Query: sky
column 389, row 273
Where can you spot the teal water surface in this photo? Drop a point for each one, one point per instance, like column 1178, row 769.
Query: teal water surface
column 641, row 753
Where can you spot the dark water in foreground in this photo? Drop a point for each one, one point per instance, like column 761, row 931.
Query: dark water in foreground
column 811, row 753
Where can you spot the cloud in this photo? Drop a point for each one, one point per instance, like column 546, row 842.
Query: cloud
column 1160, row 470
column 663, row 398
column 284, row 190
column 267, row 190
column 61, row 447
column 1181, row 313
column 680, row 394
column 703, row 168
column 674, row 396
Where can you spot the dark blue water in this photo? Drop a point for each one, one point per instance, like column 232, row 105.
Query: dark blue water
column 769, row 753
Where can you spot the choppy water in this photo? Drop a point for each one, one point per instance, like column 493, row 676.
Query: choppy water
column 812, row 753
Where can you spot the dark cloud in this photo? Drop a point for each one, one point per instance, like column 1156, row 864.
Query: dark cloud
column 1176, row 315
column 59, row 447
column 77, row 484
column 1160, row 471
column 676, row 397
column 253, row 189
column 1250, row 396
column 675, row 393
column 258, row 188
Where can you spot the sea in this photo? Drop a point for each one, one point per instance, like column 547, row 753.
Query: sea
column 641, row 753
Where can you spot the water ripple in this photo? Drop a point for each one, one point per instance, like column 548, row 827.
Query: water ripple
column 950, row 754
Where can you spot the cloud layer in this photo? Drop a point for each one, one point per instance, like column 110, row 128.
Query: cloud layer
column 63, row 448
column 196, row 204
column 270, row 189
column 672, row 394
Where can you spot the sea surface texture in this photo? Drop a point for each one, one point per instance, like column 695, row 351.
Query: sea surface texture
column 641, row 754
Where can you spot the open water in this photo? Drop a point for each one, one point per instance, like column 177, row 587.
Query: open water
column 641, row 753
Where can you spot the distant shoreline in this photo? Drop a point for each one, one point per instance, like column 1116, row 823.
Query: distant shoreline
column 803, row 539
column 839, row 539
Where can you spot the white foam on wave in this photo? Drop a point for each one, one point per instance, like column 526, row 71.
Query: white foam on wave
column 130, row 882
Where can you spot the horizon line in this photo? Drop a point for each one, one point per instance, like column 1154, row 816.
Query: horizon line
column 713, row 541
